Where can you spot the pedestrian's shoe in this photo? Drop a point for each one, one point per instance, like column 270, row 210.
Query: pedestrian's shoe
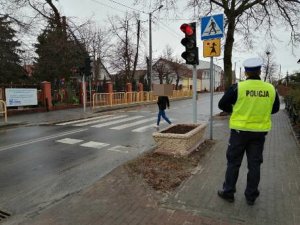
column 250, row 202
column 226, row 196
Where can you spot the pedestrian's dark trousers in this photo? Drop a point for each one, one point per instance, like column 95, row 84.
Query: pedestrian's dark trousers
column 240, row 142
column 162, row 114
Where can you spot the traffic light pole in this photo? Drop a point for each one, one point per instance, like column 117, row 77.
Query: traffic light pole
column 194, row 94
column 211, row 97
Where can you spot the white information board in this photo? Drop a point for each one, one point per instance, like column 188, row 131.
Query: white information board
column 21, row 96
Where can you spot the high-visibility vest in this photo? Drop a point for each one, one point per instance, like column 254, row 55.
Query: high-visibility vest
column 252, row 110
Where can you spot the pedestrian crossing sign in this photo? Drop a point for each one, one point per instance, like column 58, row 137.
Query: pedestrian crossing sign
column 212, row 27
column 212, row 48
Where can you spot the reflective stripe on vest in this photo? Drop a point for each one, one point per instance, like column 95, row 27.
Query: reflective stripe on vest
column 252, row 110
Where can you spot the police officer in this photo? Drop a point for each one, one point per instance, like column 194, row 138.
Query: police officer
column 251, row 103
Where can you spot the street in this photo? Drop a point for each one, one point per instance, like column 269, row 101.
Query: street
column 41, row 165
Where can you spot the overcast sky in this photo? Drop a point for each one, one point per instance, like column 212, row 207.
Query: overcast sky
column 165, row 31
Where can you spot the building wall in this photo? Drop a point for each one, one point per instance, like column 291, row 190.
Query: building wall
column 205, row 66
column 187, row 84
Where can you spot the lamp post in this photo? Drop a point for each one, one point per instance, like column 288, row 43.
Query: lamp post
column 150, row 44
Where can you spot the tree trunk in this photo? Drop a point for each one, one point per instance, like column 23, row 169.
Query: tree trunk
column 137, row 51
column 148, row 74
column 56, row 13
column 177, row 81
column 228, row 53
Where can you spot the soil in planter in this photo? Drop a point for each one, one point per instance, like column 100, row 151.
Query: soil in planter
column 179, row 129
column 165, row 173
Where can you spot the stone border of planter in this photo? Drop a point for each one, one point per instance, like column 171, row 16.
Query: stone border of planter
column 179, row 144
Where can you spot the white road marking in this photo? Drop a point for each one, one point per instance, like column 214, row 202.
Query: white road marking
column 133, row 124
column 144, row 111
column 139, row 111
column 119, row 148
column 117, row 121
column 98, row 121
column 41, row 139
column 83, row 120
column 94, row 144
column 70, row 141
column 144, row 128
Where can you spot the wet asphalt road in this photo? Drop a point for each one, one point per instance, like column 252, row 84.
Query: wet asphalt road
column 40, row 165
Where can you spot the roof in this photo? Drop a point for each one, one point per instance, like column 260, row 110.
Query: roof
column 180, row 68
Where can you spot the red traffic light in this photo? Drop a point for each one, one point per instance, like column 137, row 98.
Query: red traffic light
column 190, row 43
column 187, row 29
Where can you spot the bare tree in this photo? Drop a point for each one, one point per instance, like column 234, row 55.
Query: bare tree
column 245, row 17
column 16, row 9
column 175, row 65
column 163, row 71
column 125, row 54
column 269, row 68
column 168, row 53
column 97, row 42
column 96, row 39
column 27, row 17
column 27, row 13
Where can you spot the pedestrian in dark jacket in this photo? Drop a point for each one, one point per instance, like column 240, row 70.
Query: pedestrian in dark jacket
column 162, row 102
column 251, row 103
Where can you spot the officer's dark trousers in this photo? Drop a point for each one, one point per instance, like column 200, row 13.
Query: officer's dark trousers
column 240, row 142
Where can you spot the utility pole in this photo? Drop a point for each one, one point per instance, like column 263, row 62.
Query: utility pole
column 150, row 44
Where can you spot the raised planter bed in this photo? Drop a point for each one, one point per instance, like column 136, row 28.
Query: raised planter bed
column 179, row 139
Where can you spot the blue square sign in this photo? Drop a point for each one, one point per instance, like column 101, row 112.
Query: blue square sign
column 212, row 27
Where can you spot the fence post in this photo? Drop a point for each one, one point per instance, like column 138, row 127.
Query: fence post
column 110, row 99
column 3, row 110
column 128, row 92
column 94, row 99
column 46, row 89
column 140, row 90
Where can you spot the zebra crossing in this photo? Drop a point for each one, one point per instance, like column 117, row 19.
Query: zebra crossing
column 138, row 123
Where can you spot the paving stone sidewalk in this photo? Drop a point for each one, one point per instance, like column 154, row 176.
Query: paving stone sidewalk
column 47, row 117
column 279, row 200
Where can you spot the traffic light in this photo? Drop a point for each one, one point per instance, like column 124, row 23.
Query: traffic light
column 190, row 42
column 87, row 66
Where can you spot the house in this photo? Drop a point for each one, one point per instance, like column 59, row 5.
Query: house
column 181, row 75
column 164, row 68
column 187, row 80
column 204, row 66
column 169, row 72
column 99, row 71
column 140, row 75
